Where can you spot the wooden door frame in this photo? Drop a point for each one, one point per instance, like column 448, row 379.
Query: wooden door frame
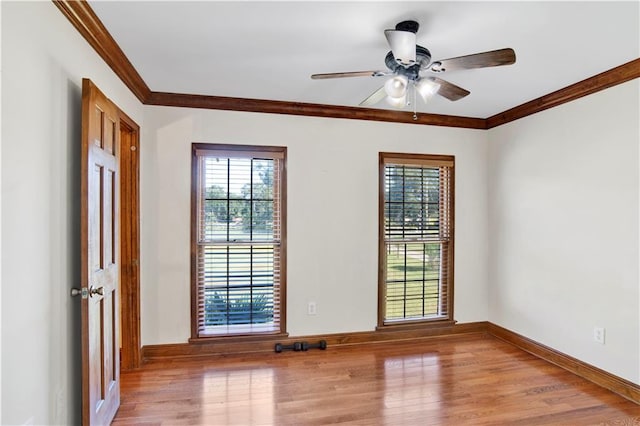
column 129, row 244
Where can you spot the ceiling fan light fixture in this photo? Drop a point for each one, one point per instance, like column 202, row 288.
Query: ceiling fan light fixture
column 427, row 88
column 399, row 103
column 396, row 87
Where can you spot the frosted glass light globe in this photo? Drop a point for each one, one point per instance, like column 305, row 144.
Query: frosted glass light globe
column 400, row 102
column 396, row 87
column 427, row 88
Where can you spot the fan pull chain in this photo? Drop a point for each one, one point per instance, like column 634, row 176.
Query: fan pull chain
column 415, row 104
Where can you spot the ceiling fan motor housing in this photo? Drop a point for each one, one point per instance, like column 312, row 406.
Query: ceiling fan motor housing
column 412, row 72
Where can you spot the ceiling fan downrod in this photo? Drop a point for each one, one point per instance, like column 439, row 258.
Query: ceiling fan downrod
column 409, row 26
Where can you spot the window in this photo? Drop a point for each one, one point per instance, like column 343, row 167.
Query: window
column 237, row 239
column 416, row 239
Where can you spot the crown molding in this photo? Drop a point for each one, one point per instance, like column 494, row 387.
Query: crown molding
column 604, row 80
column 308, row 109
column 84, row 19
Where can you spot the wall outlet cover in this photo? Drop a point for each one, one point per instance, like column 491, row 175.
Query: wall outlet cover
column 598, row 334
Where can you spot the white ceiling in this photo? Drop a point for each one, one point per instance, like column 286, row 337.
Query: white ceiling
column 268, row 50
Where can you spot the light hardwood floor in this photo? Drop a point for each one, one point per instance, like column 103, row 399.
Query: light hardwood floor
column 462, row 380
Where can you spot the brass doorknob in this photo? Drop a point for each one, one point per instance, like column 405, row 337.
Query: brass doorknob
column 93, row 291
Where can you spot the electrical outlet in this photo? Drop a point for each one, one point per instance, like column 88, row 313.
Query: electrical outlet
column 598, row 335
column 312, row 308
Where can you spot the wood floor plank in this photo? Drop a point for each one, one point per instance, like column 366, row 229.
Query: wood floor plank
column 462, row 380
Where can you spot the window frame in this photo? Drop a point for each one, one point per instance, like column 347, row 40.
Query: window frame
column 385, row 158
column 240, row 151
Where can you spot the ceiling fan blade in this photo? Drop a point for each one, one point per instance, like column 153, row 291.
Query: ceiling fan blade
column 449, row 90
column 375, row 97
column 403, row 46
column 494, row 58
column 349, row 74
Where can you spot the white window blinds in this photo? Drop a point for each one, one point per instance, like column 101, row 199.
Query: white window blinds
column 417, row 245
column 238, row 241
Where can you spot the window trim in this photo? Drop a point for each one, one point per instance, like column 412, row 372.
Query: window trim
column 244, row 150
column 414, row 159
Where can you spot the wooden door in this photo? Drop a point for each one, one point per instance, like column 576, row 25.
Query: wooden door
column 100, row 247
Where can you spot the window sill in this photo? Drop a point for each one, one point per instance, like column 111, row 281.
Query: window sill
column 416, row 325
column 239, row 338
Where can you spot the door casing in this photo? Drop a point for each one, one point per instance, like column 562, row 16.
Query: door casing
column 129, row 244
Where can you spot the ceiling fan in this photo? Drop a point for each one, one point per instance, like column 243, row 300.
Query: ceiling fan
column 410, row 64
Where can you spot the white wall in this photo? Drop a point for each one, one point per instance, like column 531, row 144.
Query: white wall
column 44, row 59
column 331, row 218
column 563, row 213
